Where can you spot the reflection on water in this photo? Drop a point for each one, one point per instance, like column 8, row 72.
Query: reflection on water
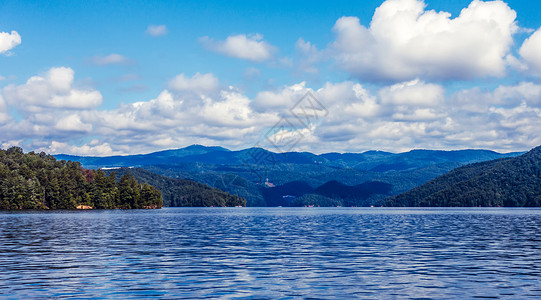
column 272, row 253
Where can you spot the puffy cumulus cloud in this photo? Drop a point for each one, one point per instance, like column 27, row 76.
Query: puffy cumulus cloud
column 524, row 92
column 233, row 110
column 176, row 112
column 530, row 50
column 505, row 118
column 350, row 117
column 252, row 47
column 415, row 114
column 174, row 118
column 499, row 128
column 156, row 30
column 308, row 55
column 180, row 117
column 53, row 90
column 199, row 83
column 111, row 59
column 3, row 106
column 353, row 113
column 305, row 48
column 280, row 100
column 415, row 93
column 4, row 114
column 348, row 99
column 73, row 123
column 49, row 108
column 9, row 41
column 475, row 100
column 299, row 112
column 404, row 41
column 359, row 119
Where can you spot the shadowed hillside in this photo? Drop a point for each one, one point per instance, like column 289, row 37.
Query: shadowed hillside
column 245, row 172
column 511, row 182
column 181, row 192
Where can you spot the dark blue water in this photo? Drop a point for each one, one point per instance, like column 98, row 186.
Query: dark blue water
column 272, row 253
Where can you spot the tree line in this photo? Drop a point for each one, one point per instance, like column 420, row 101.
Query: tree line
column 39, row 181
column 182, row 192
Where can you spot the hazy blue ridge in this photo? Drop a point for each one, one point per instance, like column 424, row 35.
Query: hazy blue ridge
column 259, row 175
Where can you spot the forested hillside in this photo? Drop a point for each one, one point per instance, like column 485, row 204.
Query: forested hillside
column 182, row 192
column 511, row 182
column 39, row 181
column 245, row 172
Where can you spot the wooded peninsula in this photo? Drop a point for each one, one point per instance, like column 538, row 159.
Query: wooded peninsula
column 39, row 181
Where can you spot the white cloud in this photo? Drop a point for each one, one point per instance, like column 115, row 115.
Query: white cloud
column 405, row 41
column 348, row 99
column 156, row 30
column 176, row 113
column 73, row 123
column 415, row 93
column 524, row 92
column 112, row 59
column 416, row 114
column 49, row 108
column 421, row 114
column 4, row 113
column 474, row 100
column 93, row 149
column 530, row 52
column 53, row 90
column 252, row 47
column 232, row 110
column 308, row 55
column 306, row 48
column 399, row 117
column 9, row 41
column 198, row 83
column 279, row 101
column 180, row 116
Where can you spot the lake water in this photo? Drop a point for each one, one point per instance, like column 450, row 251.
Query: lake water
column 269, row 253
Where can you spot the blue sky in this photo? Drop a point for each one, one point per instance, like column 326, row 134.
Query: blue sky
column 119, row 77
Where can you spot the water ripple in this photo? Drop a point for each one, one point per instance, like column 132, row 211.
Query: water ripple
column 272, row 253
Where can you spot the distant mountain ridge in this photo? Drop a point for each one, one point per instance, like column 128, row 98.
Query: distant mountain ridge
column 510, row 182
column 220, row 155
column 244, row 172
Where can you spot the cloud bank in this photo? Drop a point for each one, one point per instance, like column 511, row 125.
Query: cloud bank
column 59, row 117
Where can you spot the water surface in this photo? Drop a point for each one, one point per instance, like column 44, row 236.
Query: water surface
column 272, row 253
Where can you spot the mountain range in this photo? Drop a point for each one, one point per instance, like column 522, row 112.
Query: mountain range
column 266, row 178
